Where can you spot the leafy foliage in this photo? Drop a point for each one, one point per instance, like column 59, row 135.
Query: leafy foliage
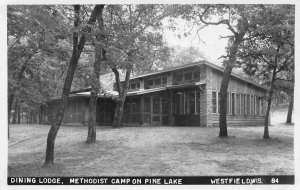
column 271, row 45
column 36, row 52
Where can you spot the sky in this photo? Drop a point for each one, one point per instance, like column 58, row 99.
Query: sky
column 209, row 43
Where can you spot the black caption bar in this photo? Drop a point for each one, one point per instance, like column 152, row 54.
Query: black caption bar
column 159, row 180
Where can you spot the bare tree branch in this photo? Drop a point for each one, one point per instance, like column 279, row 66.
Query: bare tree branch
column 221, row 37
column 224, row 21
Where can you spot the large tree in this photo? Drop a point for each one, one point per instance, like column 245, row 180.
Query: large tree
column 32, row 36
column 78, row 46
column 242, row 21
column 271, row 48
column 96, row 88
column 132, row 43
column 238, row 19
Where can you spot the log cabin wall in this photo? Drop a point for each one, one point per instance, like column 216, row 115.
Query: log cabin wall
column 245, row 102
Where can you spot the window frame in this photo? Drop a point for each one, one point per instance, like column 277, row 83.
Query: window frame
column 214, row 102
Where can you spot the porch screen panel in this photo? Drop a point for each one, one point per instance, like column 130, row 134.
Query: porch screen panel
column 147, row 108
column 79, row 110
column 165, row 111
column 181, row 108
column 192, row 102
column 135, row 109
column 198, row 101
column 156, row 105
column 165, row 106
column 126, row 113
column 186, row 102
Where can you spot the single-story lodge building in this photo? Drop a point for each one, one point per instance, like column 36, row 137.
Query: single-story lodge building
column 186, row 95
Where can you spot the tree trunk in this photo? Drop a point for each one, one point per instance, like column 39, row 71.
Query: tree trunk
column 118, row 113
column 92, row 118
column 224, row 84
column 10, row 103
column 40, row 114
column 269, row 101
column 14, row 121
column 122, row 96
column 19, row 114
column 77, row 49
column 290, row 111
column 95, row 82
column 49, row 159
column 11, row 96
column 223, row 101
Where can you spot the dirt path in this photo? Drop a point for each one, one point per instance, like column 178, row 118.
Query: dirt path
column 148, row 151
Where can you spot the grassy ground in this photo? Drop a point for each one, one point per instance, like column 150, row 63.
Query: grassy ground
column 151, row 151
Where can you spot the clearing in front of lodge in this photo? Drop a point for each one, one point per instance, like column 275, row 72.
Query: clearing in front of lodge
column 152, row 151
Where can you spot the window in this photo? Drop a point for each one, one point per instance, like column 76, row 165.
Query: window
column 188, row 76
column 248, row 104
column 214, row 102
column 238, row 104
column 262, row 107
column 196, row 74
column 179, row 77
column 257, row 105
column 150, row 82
column 132, row 86
column 157, row 81
column 252, row 105
column 242, row 104
column 164, row 80
column 219, row 98
column 233, row 103
column 228, row 103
